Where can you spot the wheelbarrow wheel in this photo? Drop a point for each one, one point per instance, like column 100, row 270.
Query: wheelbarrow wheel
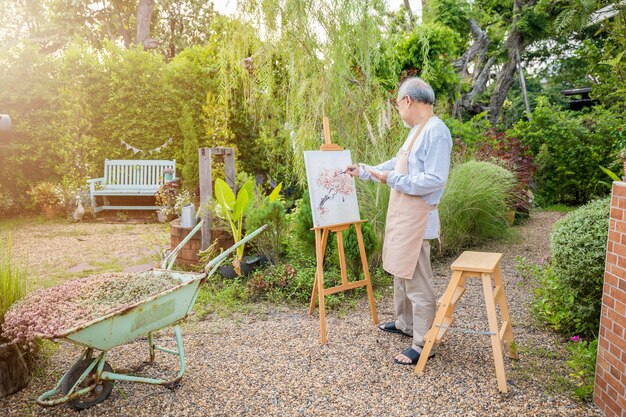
column 101, row 391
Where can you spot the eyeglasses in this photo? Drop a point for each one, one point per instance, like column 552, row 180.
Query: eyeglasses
column 398, row 101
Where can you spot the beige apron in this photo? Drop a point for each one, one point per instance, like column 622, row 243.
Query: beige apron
column 407, row 216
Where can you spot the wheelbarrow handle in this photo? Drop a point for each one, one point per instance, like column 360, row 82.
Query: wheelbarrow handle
column 215, row 262
column 172, row 255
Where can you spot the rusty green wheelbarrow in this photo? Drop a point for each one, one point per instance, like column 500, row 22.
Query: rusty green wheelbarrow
column 89, row 380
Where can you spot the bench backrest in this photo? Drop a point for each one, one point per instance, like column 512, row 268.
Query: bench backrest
column 136, row 173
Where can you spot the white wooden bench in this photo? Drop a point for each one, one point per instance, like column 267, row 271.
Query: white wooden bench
column 124, row 178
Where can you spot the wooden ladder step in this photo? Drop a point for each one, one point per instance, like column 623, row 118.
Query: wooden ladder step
column 505, row 327
column 447, row 321
column 458, row 292
column 497, row 293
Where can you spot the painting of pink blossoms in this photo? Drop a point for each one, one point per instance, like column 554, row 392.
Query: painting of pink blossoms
column 332, row 190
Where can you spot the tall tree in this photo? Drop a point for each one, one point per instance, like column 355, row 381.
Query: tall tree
column 515, row 44
column 144, row 18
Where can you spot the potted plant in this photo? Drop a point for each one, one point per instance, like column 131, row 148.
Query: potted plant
column 168, row 174
column 165, row 199
column 14, row 367
column 49, row 197
column 232, row 209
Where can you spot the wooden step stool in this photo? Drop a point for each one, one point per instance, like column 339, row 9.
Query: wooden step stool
column 482, row 265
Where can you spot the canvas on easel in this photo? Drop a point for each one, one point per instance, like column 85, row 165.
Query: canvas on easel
column 331, row 188
column 335, row 209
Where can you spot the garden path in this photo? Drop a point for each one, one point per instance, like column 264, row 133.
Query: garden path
column 271, row 363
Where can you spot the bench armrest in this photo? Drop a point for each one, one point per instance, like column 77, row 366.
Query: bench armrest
column 92, row 184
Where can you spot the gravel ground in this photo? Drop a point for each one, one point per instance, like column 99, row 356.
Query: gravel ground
column 55, row 251
column 272, row 364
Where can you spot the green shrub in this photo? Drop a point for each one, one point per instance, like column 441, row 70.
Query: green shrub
column 351, row 246
column 271, row 242
column 303, row 222
column 190, row 172
column 568, row 150
column 553, row 301
column 422, row 51
column 582, row 362
column 473, row 207
column 579, row 250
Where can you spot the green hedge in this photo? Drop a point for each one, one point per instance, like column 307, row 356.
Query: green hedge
column 579, row 251
column 569, row 149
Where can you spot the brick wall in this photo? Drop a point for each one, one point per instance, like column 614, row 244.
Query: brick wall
column 610, row 382
column 188, row 256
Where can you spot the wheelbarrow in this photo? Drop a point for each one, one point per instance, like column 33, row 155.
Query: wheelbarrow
column 89, row 380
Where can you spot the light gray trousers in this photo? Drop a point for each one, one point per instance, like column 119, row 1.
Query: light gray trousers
column 415, row 301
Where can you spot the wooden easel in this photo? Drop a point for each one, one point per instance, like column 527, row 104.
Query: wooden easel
column 321, row 239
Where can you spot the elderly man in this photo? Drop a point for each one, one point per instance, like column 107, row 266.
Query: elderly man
column 417, row 176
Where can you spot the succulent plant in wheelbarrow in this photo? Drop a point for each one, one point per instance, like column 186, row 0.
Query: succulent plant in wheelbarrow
column 53, row 311
column 57, row 311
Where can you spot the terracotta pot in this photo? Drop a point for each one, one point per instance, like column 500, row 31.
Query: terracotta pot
column 13, row 368
column 161, row 217
column 50, row 212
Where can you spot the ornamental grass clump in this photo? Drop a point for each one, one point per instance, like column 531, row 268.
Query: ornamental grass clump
column 12, row 279
column 51, row 312
column 474, row 206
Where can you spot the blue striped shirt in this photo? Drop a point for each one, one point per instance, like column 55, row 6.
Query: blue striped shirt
column 429, row 167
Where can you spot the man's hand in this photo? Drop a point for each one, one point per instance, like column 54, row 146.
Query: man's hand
column 352, row 170
column 380, row 175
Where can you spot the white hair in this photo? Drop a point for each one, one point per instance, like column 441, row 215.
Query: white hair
column 417, row 89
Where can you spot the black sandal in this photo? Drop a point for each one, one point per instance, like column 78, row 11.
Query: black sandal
column 391, row 328
column 412, row 354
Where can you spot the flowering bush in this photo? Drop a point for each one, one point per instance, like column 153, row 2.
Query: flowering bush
column 582, row 362
column 50, row 312
column 166, row 198
column 182, row 199
column 47, row 194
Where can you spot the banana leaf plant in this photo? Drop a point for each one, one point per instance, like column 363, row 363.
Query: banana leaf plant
column 233, row 209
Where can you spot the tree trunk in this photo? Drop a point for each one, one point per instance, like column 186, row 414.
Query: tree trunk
column 478, row 51
column 407, row 6
column 505, row 80
column 144, row 18
column 515, row 46
column 522, row 83
column 13, row 369
column 480, row 83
